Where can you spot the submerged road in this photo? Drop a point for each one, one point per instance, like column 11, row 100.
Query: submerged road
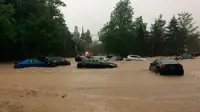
column 128, row 88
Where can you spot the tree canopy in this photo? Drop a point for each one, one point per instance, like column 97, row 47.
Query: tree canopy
column 123, row 35
column 31, row 28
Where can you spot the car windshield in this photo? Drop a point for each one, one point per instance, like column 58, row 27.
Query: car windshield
column 169, row 62
column 84, row 58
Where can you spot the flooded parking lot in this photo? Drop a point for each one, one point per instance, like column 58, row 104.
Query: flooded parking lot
column 128, row 88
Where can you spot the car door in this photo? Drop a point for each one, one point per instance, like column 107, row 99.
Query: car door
column 33, row 63
column 99, row 64
column 29, row 63
column 37, row 63
column 96, row 64
column 89, row 63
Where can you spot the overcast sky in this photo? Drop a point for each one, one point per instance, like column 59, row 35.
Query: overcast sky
column 93, row 14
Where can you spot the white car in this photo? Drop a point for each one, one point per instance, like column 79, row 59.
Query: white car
column 134, row 58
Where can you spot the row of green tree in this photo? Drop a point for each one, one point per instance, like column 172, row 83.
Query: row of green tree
column 83, row 41
column 122, row 35
column 32, row 28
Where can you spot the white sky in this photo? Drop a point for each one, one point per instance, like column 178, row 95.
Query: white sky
column 93, row 14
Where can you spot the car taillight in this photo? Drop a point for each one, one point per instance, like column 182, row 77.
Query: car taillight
column 181, row 66
column 162, row 66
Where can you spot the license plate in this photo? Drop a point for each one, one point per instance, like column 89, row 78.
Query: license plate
column 172, row 67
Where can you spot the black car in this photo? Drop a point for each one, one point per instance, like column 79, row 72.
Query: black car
column 81, row 58
column 95, row 63
column 60, row 61
column 166, row 66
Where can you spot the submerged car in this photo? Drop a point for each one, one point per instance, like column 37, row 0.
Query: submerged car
column 60, row 61
column 185, row 56
column 116, row 58
column 95, row 63
column 113, row 58
column 34, row 63
column 134, row 58
column 81, row 58
column 108, row 57
column 166, row 66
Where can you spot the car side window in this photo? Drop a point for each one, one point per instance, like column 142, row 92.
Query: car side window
column 156, row 62
column 30, row 61
column 95, row 61
column 89, row 61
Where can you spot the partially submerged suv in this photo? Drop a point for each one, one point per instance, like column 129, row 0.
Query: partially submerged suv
column 60, row 61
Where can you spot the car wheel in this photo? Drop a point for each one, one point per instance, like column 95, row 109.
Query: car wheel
column 150, row 68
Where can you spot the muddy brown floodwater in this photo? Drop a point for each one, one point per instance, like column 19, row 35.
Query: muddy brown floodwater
column 128, row 88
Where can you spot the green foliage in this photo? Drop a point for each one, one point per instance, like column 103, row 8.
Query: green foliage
column 173, row 40
column 189, row 33
column 141, row 37
column 157, row 36
column 30, row 28
column 117, row 33
column 34, row 28
column 121, row 35
column 83, row 41
column 97, row 48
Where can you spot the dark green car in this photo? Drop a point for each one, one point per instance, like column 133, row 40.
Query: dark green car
column 95, row 63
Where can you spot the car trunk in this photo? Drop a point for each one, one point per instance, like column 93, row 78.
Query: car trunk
column 173, row 67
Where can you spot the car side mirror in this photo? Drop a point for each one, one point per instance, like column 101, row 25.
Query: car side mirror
column 151, row 64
